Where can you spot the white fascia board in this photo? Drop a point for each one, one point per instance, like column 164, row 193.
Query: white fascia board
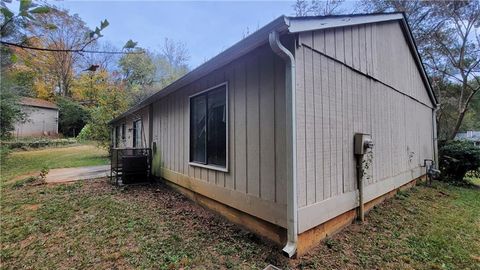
column 304, row 24
column 297, row 25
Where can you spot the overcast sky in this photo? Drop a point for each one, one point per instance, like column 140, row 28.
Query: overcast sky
column 206, row 28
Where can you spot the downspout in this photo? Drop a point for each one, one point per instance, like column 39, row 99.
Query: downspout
column 435, row 136
column 292, row 236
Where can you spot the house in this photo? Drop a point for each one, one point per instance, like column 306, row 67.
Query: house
column 472, row 136
column 41, row 118
column 264, row 133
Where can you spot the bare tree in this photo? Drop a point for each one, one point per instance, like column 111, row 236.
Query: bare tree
column 301, row 8
column 327, row 7
column 454, row 51
column 171, row 63
column 105, row 61
column 447, row 35
column 59, row 30
column 175, row 52
column 419, row 13
column 318, row 7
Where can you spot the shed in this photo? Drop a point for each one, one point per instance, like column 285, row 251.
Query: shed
column 469, row 135
column 41, row 118
column 263, row 133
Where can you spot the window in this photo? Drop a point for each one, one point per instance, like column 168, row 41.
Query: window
column 208, row 127
column 117, row 136
column 124, row 131
column 137, row 133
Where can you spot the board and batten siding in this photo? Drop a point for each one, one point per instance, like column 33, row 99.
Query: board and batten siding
column 142, row 114
column 256, row 179
column 358, row 79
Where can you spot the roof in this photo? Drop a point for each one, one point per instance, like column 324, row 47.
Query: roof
column 469, row 136
column 36, row 102
column 285, row 25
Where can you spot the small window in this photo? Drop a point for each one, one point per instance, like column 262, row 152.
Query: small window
column 208, row 127
column 124, row 131
column 137, row 133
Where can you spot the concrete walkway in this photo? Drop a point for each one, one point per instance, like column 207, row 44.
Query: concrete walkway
column 75, row 174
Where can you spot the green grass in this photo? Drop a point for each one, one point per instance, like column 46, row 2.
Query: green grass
column 424, row 228
column 25, row 162
column 95, row 225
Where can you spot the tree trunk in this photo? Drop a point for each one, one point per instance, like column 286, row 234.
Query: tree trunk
column 458, row 123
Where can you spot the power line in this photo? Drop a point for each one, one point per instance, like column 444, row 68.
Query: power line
column 64, row 50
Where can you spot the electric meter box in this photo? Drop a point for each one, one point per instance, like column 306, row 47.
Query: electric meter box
column 362, row 142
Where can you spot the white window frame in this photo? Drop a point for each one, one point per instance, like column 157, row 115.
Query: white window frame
column 227, row 117
column 141, row 133
column 117, row 137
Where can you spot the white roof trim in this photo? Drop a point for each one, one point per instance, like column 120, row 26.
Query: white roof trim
column 317, row 23
column 305, row 24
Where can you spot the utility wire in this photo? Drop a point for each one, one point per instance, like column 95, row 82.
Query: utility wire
column 64, row 50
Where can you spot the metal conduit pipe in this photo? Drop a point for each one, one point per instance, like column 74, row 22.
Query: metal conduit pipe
column 361, row 203
column 435, row 136
column 292, row 232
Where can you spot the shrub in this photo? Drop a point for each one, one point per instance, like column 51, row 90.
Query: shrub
column 457, row 158
column 4, row 151
column 86, row 133
column 10, row 110
column 36, row 143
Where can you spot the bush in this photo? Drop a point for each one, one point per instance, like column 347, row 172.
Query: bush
column 4, row 151
column 36, row 143
column 10, row 110
column 457, row 158
column 86, row 133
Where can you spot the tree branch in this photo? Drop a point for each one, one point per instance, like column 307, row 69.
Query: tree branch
column 64, row 50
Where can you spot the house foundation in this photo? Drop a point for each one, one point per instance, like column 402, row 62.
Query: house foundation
column 278, row 235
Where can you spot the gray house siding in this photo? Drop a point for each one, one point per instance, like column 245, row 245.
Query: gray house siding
column 353, row 79
column 360, row 79
column 256, row 179
column 39, row 122
column 143, row 115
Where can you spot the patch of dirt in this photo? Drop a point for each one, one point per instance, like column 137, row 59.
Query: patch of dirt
column 32, row 207
column 21, row 177
column 27, row 241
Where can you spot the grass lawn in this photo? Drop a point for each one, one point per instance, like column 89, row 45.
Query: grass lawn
column 24, row 162
column 92, row 224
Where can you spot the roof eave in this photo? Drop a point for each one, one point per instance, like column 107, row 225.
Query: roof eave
column 291, row 25
column 418, row 61
column 305, row 24
column 242, row 47
column 38, row 106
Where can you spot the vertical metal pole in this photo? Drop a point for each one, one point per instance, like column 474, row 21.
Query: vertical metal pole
column 361, row 209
